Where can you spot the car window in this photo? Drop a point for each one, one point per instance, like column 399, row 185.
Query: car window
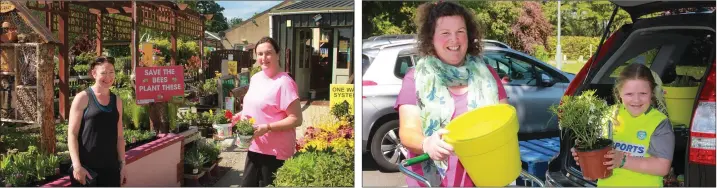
column 402, row 64
column 510, row 69
column 646, row 58
column 365, row 62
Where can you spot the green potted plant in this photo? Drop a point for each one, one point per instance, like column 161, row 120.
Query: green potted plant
column 194, row 159
column 205, row 124
column 586, row 116
column 209, row 90
column 679, row 95
column 222, row 123
column 244, row 129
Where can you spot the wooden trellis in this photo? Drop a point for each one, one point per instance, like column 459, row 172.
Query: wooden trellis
column 115, row 23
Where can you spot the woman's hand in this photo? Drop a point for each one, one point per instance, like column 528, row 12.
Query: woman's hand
column 260, row 130
column 80, row 173
column 615, row 157
column 123, row 175
column 436, row 147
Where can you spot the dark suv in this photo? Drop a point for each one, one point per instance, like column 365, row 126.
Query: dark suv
column 673, row 45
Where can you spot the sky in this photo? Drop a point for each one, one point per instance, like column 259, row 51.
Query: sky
column 245, row 9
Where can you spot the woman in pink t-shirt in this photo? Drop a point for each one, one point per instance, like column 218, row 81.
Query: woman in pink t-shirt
column 272, row 100
column 449, row 80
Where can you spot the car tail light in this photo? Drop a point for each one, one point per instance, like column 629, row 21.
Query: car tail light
column 702, row 130
column 368, row 83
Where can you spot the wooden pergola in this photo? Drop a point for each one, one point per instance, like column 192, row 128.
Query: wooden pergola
column 115, row 23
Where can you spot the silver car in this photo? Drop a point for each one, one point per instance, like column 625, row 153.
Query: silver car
column 531, row 85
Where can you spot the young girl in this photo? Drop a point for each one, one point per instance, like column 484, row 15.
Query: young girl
column 643, row 137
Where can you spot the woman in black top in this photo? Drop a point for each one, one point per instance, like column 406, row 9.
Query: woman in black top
column 95, row 136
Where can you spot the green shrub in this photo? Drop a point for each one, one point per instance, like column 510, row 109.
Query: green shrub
column 574, row 46
column 541, row 53
column 341, row 110
column 317, row 169
column 21, row 168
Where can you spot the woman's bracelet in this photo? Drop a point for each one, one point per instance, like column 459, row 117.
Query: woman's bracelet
column 624, row 158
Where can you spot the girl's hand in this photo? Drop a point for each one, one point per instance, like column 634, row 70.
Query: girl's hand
column 615, row 157
column 575, row 156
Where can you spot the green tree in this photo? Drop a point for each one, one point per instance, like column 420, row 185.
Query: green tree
column 531, row 29
column 584, row 18
column 218, row 21
column 235, row 21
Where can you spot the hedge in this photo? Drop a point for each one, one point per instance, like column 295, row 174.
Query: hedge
column 574, row 46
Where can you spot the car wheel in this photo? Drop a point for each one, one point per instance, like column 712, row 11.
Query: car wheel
column 386, row 148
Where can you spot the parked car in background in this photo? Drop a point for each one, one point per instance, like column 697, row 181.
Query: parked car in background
column 673, row 46
column 532, row 86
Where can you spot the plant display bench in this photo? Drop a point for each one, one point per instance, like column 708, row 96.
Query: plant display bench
column 194, row 179
column 162, row 156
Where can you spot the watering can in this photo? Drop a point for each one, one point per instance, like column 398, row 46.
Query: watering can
column 486, row 142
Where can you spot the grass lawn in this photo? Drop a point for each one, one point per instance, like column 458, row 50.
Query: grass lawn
column 569, row 66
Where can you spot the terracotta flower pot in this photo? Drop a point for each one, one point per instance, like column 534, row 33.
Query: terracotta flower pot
column 591, row 162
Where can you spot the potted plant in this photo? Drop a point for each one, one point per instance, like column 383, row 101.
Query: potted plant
column 244, row 129
column 679, row 95
column 586, row 116
column 205, row 124
column 194, row 160
column 222, row 123
column 209, row 90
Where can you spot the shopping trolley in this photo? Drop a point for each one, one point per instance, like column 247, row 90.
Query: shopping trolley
column 528, row 179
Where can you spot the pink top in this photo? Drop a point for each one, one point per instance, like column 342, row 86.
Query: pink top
column 456, row 176
column 267, row 101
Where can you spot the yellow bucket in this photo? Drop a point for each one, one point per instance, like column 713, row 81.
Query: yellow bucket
column 486, row 142
column 679, row 101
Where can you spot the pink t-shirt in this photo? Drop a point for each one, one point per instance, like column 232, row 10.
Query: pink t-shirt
column 267, row 101
column 456, row 176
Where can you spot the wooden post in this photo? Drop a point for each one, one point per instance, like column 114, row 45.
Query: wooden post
column 173, row 39
column 45, row 107
column 135, row 38
column 63, row 22
column 98, row 39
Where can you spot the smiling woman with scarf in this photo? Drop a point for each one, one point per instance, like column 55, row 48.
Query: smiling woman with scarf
column 449, row 80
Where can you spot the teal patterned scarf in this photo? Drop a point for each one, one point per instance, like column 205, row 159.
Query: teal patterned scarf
column 433, row 78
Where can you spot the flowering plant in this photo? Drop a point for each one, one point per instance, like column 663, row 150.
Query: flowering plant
column 586, row 115
column 244, row 125
column 221, row 118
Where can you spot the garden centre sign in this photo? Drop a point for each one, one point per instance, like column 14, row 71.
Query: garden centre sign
column 159, row 84
column 342, row 93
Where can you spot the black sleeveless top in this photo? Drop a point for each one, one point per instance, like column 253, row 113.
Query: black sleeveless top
column 98, row 133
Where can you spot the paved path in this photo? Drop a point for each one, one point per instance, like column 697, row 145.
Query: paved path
column 373, row 177
column 235, row 159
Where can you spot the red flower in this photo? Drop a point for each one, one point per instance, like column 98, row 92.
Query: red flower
column 227, row 114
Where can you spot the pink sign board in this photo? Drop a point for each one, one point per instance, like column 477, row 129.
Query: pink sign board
column 159, row 84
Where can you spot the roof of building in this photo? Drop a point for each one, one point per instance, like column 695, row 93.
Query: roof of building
column 317, row 6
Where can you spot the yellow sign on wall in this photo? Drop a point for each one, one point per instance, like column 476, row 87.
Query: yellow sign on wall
column 232, row 67
column 341, row 93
